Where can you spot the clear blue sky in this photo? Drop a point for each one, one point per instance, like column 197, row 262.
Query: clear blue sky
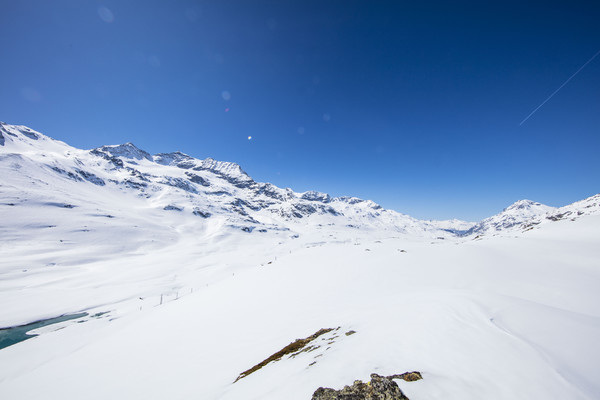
column 415, row 105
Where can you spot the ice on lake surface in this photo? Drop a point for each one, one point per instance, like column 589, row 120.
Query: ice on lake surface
column 16, row 334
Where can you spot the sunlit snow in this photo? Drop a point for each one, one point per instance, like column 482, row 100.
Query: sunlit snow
column 190, row 273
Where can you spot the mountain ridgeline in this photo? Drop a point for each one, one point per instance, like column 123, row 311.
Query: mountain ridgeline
column 215, row 190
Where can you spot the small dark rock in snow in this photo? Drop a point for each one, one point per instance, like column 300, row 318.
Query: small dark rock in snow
column 200, row 213
column 380, row 388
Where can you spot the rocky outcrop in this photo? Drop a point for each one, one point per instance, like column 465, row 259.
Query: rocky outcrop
column 379, row 388
column 299, row 345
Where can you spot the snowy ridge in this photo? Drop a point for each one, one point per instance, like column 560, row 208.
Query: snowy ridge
column 206, row 188
column 589, row 206
column 512, row 217
column 127, row 150
column 209, row 188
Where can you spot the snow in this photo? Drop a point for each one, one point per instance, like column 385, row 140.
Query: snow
column 511, row 313
column 513, row 216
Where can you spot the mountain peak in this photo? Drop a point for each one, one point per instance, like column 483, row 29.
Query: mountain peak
column 523, row 205
column 126, row 150
column 514, row 215
column 15, row 130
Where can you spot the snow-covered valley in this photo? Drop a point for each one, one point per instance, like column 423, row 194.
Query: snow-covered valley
column 190, row 273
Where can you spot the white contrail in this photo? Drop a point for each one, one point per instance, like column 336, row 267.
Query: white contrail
column 560, row 87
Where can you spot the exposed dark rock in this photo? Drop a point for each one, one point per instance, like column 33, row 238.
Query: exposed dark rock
column 88, row 176
column 186, row 164
column 305, row 209
column 197, row 179
column 294, row 347
column 68, row 174
column 117, row 162
column 379, row 388
column 179, row 183
column 408, row 376
column 61, row 205
column 174, row 158
column 29, row 133
column 219, row 193
column 230, row 172
column 241, row 203
column 349, row 200
column 200, row 213
column 269, row 190
column 134, row 184
column 136, row 173
column 558, row 216
column 171, row 207
column 127, row 150
column 316, row 196
column 1, row 139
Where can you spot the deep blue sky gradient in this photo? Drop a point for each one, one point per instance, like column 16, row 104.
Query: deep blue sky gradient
column 415, row 105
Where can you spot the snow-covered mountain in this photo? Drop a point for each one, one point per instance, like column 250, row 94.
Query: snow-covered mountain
column 210, row 189
column 589, row 206
column 514, row 216
column 178, row 183
column 221, row 192
column 183, row 278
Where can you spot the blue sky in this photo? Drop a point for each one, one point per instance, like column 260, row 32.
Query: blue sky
column 415, row 105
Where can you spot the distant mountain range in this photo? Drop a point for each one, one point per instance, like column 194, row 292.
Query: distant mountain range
column 42, row 171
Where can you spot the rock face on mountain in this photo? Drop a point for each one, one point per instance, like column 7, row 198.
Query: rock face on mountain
column 379, row 388
column 589, row 206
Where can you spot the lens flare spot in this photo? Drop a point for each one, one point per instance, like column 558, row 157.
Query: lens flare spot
column 154, row 61
column 226, row 95
column 227, row 109
column 30, row 94
column 249, row 137
column 106, row 15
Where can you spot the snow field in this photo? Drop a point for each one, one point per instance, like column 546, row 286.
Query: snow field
column 505, row 317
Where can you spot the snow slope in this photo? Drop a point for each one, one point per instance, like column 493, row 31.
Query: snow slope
column 180, row 304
